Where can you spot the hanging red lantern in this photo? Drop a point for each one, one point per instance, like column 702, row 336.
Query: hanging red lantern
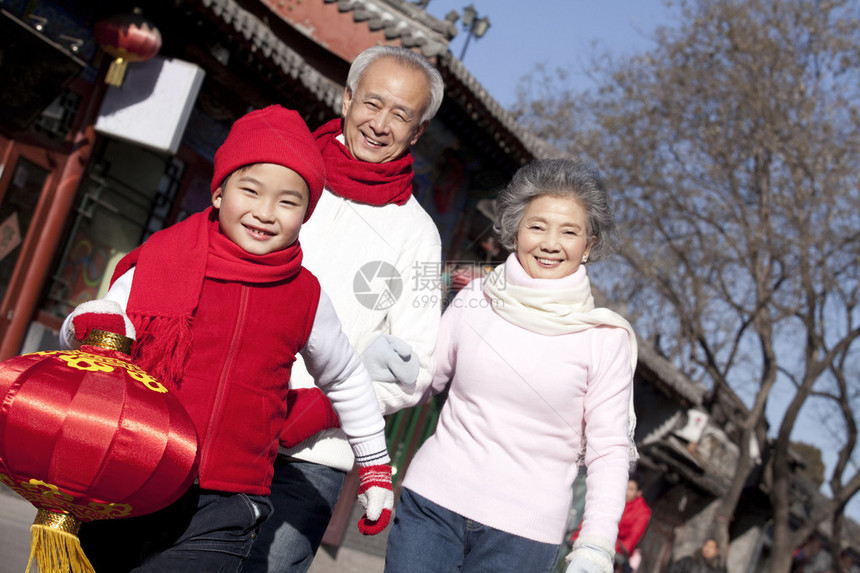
column 126, row 38
column 85, row 435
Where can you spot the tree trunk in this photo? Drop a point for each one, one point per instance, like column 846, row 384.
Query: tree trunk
column 781, row 562
column 729, row 502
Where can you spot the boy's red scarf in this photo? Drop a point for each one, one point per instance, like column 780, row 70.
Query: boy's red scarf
column 169, row 269
column 372, row 183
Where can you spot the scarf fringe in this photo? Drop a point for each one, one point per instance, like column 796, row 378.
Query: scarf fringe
column 163, row 346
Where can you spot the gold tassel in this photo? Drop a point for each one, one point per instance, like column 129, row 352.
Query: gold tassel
column 55, row 545
column 116, row 72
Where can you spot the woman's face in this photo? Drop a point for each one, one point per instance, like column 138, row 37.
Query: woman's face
column 710, row 549
column 552, row 240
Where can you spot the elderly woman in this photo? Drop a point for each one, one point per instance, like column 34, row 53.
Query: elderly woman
column 540, row 385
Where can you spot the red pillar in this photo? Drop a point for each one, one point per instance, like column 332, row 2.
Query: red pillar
column 68, row 182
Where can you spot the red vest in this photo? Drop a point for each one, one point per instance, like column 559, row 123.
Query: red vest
column 245, row 340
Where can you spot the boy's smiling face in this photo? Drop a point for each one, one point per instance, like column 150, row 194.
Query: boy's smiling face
column 261, row 207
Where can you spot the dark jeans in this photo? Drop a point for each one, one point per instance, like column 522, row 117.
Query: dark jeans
column 203, row 532
column 427, row 538
column 304, row 495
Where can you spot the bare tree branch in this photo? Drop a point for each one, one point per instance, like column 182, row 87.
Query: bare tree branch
column 734, row 148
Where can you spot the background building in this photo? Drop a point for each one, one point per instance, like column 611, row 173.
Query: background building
column 89, row 170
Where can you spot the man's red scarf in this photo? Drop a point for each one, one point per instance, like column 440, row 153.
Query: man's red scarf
column 372, row 183
column 169, row 269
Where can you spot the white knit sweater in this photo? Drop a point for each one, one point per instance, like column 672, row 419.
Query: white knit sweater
column 520, row 403
column 342, row 239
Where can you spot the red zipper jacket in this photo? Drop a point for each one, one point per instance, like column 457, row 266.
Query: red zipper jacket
column 235, row 385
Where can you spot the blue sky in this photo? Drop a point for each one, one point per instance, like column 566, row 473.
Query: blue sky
column 561, row 33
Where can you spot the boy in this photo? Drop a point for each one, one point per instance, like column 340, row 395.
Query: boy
column 221, row 306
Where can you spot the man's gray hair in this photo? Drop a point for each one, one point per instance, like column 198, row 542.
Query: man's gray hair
column 558, row 178
column 407, row 58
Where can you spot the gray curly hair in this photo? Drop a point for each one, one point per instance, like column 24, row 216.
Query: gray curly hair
column 559, row 178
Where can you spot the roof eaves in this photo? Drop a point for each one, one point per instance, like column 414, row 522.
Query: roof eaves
column 260, row 36
column 669, row 375
column 673, row 453
column 446, row 28
column 534, row 145
column 401, row 20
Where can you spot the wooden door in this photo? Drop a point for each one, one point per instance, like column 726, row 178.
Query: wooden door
column 27, row 183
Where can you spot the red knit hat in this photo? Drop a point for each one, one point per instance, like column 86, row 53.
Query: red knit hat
column 272, row 135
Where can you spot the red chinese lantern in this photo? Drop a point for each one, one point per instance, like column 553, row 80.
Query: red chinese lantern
column 85, row 435
column 126, row 38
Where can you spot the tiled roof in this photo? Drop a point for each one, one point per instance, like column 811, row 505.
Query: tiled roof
column 668, row 376
column 403, row 21
column 673, row 452
column 507, row 131
column 259, row 35
column 415, row 28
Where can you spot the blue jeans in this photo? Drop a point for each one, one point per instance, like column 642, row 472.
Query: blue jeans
column 427, row 538
column 204, row 531
column 304, row 495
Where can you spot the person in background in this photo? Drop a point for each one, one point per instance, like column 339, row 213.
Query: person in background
column 847, row 563
column 368, row 231
column 220, row 306
column 705, row 560
column 631, row 527
column 634, row 520
column 540, row 386
column 812, row 558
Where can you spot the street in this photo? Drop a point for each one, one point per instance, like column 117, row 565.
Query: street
column 16, row 517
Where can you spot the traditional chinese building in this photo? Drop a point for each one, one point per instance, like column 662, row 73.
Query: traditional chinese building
column 90, row 170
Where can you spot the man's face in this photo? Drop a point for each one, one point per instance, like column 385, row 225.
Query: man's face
column 633, row 491
column 381, row 119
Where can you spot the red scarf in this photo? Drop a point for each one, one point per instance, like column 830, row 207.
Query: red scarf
column 169, row 269
column 371, row 183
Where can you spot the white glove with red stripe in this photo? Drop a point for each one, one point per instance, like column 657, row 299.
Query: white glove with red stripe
column 377, row 498
column 102, row 314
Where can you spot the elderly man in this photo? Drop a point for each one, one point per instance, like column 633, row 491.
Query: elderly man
column 368, row 241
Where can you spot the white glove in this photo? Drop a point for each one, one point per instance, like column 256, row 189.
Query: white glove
column 99, row 314
column 390, row 359
column 591, row 555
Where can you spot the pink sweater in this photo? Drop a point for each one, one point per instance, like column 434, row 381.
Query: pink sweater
column 505, row 449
